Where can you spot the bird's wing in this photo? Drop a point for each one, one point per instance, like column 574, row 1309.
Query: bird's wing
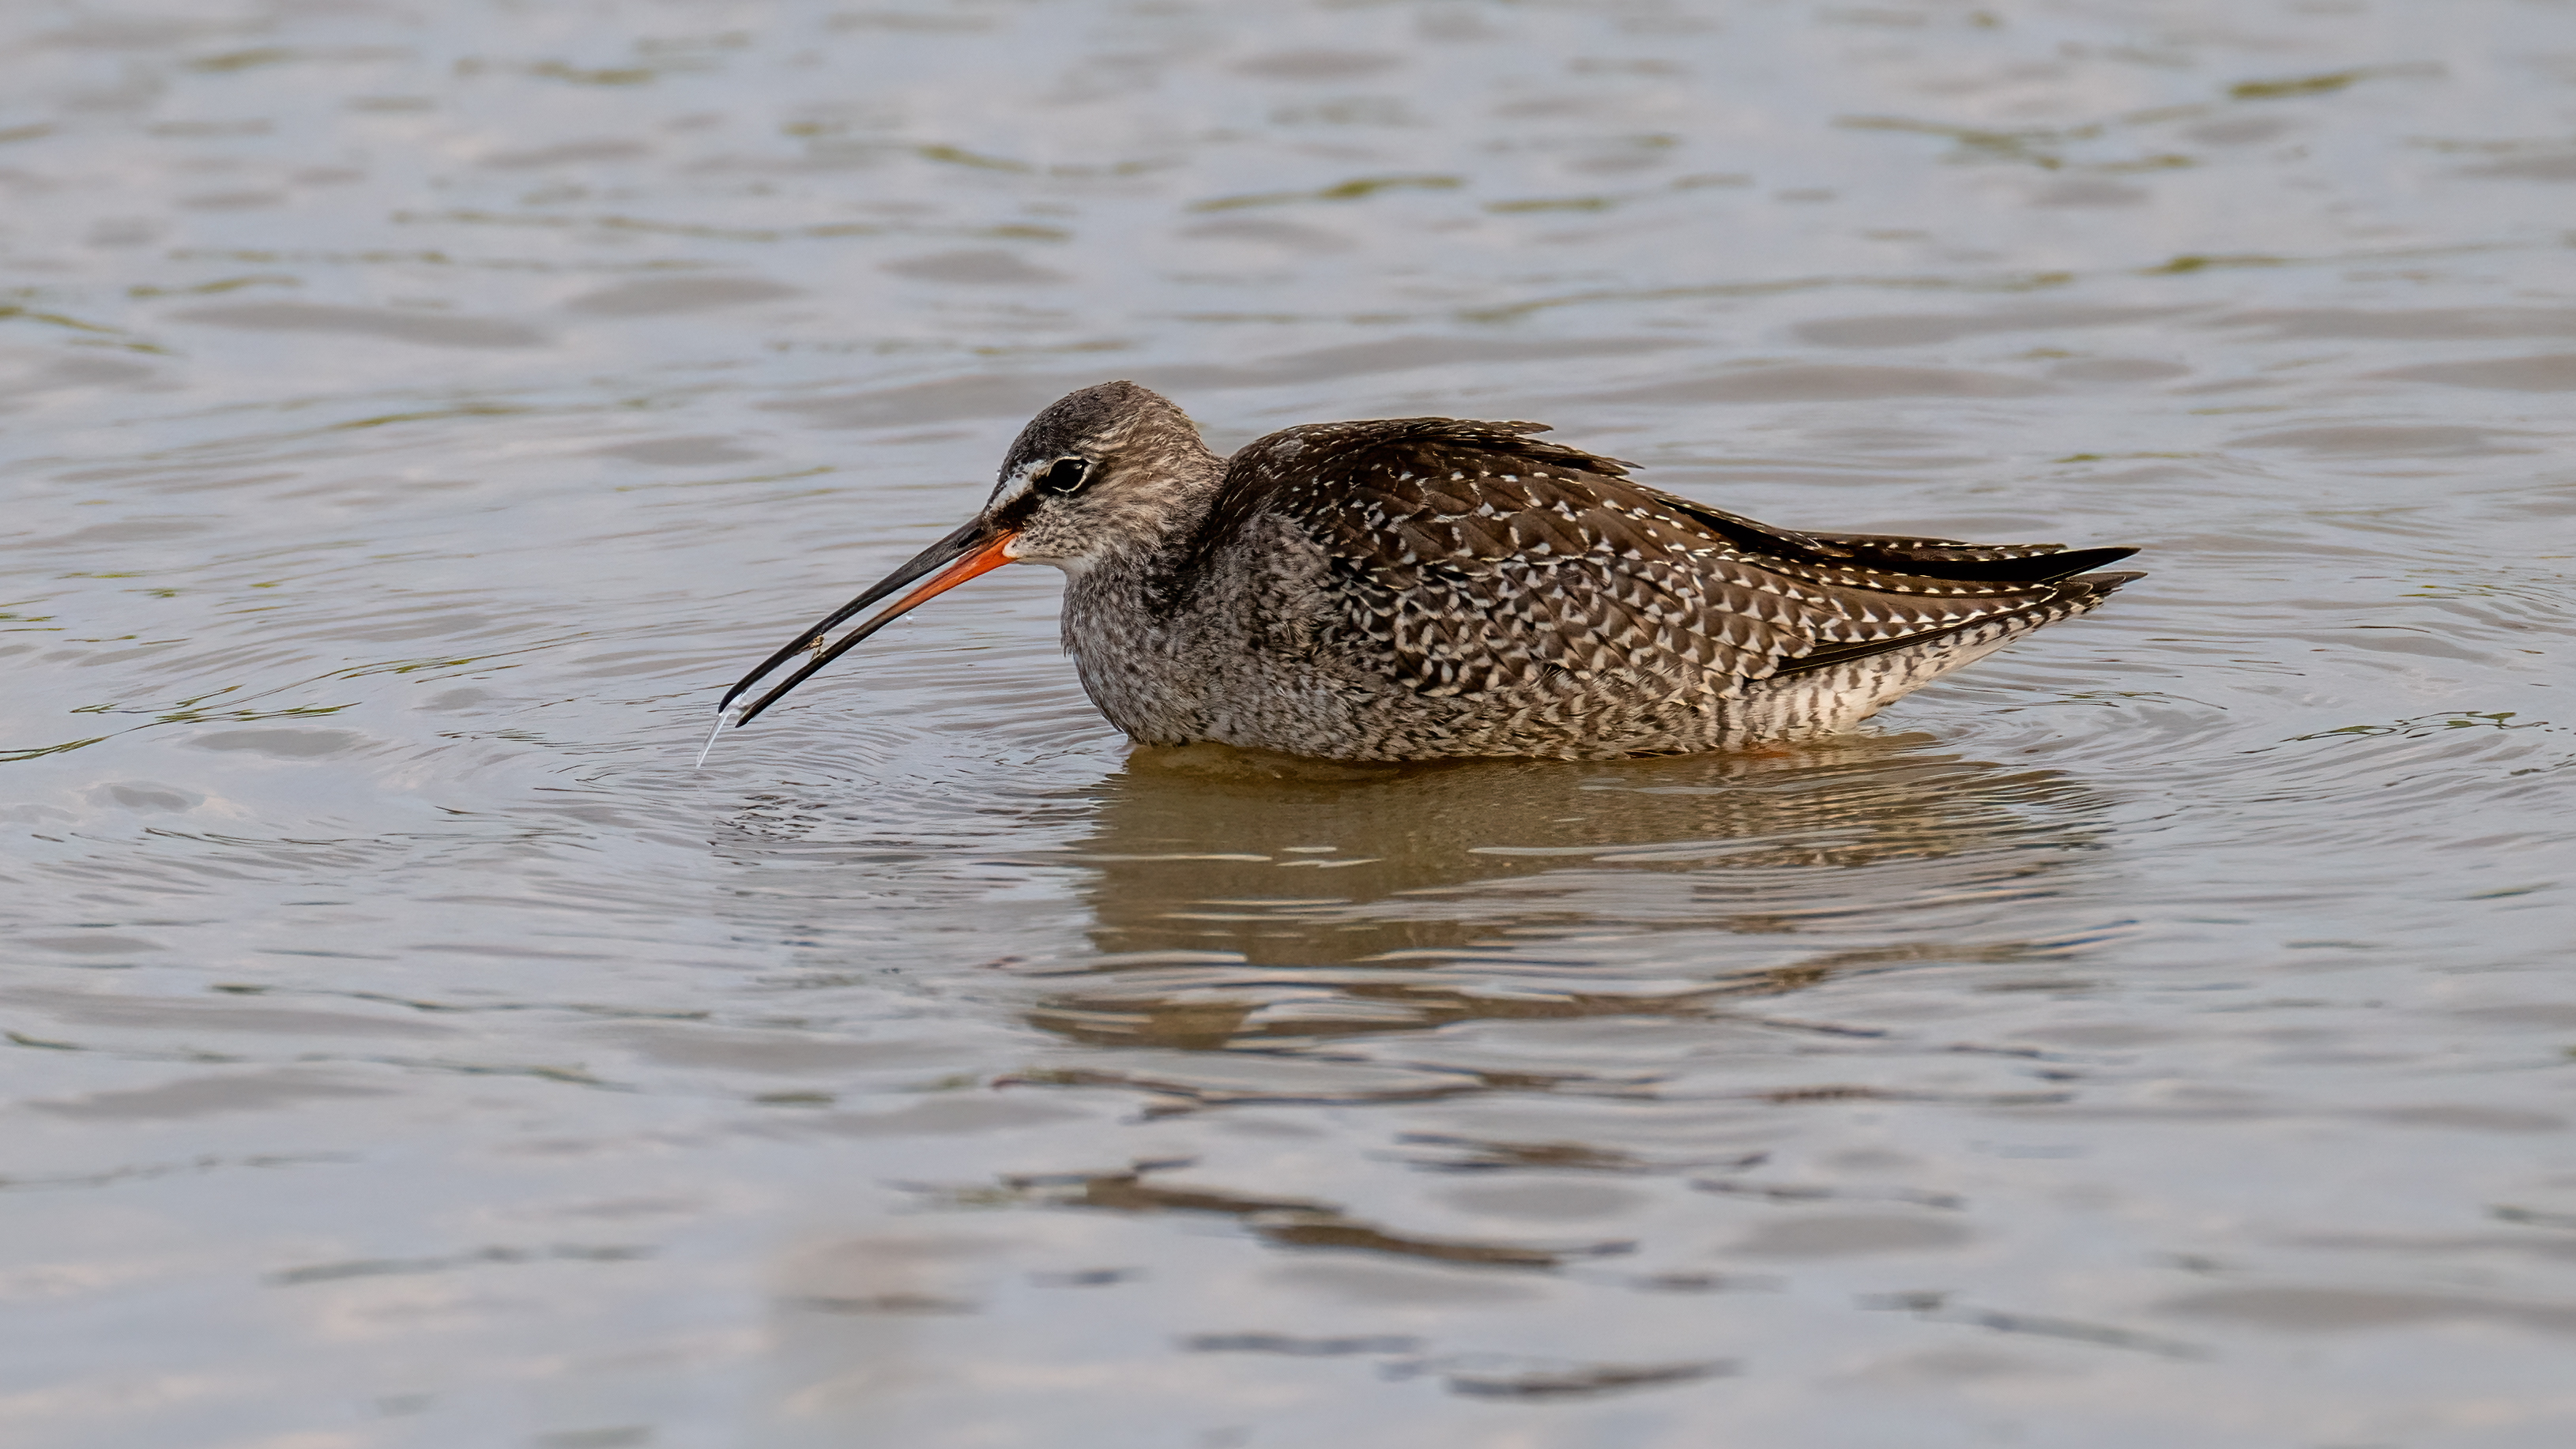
column 1475, row 557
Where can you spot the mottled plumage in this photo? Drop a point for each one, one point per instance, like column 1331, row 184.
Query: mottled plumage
column 1431, row 587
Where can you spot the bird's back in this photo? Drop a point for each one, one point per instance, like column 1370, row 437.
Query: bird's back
column 1425, row 587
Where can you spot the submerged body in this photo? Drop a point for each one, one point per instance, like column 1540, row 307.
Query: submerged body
column 1427, row 588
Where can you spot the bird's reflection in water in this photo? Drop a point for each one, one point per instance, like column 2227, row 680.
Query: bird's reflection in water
column 1549, row 970
column 1238, row 898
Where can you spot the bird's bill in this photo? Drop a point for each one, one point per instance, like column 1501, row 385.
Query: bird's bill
column 979, row 547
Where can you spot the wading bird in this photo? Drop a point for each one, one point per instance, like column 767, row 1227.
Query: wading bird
column 1424, row 588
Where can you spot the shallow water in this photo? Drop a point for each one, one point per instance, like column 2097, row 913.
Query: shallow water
column 2159, row 1033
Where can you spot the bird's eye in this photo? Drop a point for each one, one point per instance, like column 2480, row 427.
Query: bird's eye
column 1064, row 475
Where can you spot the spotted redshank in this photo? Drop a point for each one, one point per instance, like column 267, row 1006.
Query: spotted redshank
column 1421, row 588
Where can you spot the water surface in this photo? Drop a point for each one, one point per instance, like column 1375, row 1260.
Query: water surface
column 2159, row 1033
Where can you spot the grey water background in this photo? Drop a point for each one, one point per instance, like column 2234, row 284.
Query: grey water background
column 412, row 415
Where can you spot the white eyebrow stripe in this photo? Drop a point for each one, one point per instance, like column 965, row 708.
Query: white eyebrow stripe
column 1014, row 487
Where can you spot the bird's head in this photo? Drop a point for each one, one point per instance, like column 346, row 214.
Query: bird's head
column 1109, row 470
column 1099, row 472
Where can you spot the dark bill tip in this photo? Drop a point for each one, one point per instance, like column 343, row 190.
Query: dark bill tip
column 977, row 548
